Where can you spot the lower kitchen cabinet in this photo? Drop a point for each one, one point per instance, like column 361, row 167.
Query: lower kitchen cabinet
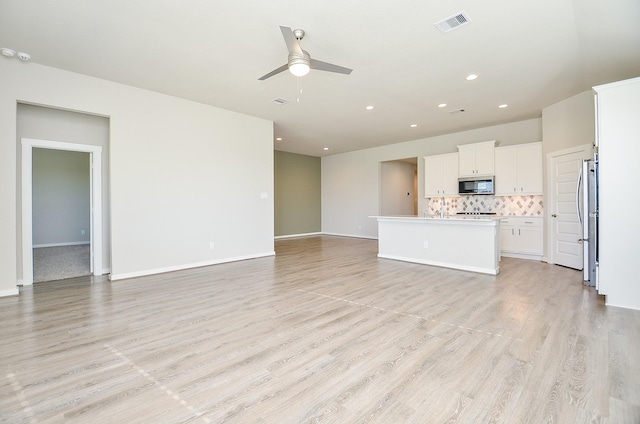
column 521, row 237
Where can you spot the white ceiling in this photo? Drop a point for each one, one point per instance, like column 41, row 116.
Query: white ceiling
column 528, row 54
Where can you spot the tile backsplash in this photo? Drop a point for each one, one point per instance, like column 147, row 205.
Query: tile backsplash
column 501, row 205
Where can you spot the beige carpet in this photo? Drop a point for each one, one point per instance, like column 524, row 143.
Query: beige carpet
column 57, row 263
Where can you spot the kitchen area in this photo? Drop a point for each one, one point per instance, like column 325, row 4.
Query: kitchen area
column 484, row 202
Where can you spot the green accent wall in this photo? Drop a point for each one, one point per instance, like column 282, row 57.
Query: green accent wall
column 296, row 194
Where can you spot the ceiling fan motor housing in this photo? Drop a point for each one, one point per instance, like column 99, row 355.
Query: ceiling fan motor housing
column 304, row 58
column 299, row 64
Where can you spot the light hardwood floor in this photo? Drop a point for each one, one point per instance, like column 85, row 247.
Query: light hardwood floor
column 323, row 332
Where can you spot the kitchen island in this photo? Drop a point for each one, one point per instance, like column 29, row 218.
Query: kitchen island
column 465, row 243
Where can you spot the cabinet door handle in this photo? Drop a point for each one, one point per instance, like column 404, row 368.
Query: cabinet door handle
column 518, row 231
column 512, row 233
column 553, row 215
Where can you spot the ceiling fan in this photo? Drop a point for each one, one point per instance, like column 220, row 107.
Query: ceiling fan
column 300, row 62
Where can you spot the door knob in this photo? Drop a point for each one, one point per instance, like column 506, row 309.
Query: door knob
column 554, row 215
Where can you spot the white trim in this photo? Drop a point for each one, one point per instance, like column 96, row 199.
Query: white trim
column 490, row 271
column 12, row 292
column 114, row 277
column 95, row 154
column 606, row 302
column 298, row 235
column 70, row 243
column 350, row 235
column 521, row 256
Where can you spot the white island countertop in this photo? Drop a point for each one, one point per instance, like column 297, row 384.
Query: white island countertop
column 445, row 218
column 469, row 243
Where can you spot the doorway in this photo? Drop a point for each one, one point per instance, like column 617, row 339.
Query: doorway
column 95, row 196
column 399, row 187
column 564, row 229
column 61, row 192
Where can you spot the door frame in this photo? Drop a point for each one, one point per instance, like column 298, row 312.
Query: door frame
column 587, row 149
column 95, row 175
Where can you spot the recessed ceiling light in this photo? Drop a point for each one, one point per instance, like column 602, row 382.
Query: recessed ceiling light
column 442, row 105
column 504, row 105
column 471, row 77
column 278, row 138
column 413, row 125
column 7, row 52
column 326, row 148
column 369, row 107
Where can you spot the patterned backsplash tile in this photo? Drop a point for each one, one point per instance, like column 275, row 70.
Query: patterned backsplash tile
column 500, row 205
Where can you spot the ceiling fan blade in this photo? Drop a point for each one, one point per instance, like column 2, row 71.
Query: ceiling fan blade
column 292, row 43
column 330, row 67
column 274, row 72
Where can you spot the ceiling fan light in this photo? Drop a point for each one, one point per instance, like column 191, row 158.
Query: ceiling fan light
column 299, row 69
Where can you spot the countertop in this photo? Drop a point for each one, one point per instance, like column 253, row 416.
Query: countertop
column 447, row 218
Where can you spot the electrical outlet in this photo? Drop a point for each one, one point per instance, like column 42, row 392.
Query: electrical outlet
column 211, row 245
column 426, row 244
column 83, row 232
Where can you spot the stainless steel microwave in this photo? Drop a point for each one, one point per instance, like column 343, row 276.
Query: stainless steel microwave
column 476, row 185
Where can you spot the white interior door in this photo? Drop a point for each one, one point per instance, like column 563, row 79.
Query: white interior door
column 565, row 229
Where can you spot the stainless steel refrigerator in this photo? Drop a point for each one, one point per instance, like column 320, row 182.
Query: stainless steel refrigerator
column 587, row 204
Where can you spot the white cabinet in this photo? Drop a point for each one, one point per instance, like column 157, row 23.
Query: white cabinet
column 519, row 169
column 441, row 175
column 476, row 159
column 521, row 237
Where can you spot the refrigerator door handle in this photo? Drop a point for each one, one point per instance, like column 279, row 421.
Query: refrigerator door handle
column 578, row 197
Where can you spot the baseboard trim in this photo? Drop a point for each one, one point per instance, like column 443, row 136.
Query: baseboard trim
column 350, row 235
column 124, row 276
column 71, row 243
column 521, row 256
column 615, row 305
column 11, row 292
column 298, row 235
column 459, row 267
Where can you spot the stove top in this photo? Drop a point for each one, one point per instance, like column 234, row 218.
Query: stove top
column 476, row 213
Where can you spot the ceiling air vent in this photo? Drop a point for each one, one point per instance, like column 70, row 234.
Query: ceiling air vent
column 453, row 22
column 279, row 101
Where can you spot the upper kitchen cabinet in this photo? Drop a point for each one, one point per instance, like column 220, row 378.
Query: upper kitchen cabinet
column 441, row 175
column 476, row 159
column 519, row 169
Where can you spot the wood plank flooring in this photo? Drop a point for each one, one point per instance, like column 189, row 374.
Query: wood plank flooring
column 323, row 332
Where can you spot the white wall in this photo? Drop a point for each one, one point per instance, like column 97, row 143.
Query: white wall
column 61, row 197
column 619, row 150
column 182, row 174
column 568, row 123
column 350, row 181
column 396, row 188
